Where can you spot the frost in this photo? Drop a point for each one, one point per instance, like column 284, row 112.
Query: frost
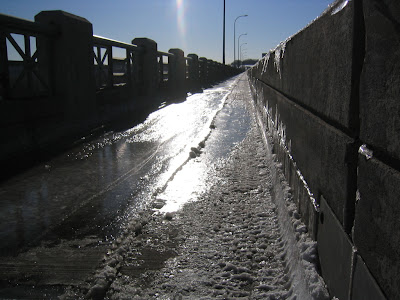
column 368, row 153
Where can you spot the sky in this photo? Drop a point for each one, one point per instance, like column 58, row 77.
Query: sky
column 195, row 26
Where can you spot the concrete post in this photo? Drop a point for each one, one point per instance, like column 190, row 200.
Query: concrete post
column 71, row 64
column 148, row 66
column 212, row 70
column 193, row 71
column 203, row 66
column 177, row 70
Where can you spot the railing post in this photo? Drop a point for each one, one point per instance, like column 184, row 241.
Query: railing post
column 110, row 70
column 211, row 70
column 71, row 64
column 148, row 65
column 128, row 67
column 194, row 71
column 204, row 70
column 161, row 70
column 177, row 69
column 4, row 74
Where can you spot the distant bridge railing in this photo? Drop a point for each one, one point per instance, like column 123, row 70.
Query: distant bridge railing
column 109, row 70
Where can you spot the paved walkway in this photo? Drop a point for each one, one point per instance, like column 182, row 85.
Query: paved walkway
column 241, row 239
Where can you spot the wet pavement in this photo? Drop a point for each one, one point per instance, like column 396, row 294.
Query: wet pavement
column 93, row 188
column 59, row 219
column 240, row 238
column 189, row 204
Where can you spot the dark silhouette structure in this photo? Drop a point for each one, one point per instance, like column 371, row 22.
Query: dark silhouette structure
column 74, row 82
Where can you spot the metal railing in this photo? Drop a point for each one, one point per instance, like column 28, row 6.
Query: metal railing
column 111, row 71
column 29, row 76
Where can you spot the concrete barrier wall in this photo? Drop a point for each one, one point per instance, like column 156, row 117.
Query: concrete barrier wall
column 65, row 95
column 329, row 99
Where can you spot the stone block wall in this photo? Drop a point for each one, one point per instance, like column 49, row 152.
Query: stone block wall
column 330, row 99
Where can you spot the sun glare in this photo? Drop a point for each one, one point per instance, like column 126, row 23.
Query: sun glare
column 180, row 9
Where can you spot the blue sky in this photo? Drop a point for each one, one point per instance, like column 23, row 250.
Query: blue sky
column 195, row 26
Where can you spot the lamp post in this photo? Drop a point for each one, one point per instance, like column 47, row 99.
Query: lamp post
column 234, row 37
column 239, row 43
column 223, row 51
column 241, row 53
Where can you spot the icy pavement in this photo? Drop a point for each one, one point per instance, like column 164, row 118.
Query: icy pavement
column 242, row 238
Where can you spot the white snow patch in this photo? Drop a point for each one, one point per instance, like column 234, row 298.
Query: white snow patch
column 301, row 250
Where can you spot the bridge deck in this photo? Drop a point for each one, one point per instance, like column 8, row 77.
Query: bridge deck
column 236, row 240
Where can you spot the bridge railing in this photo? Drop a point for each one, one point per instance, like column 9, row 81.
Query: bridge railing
column 111, row 71
column 79, row 81
column 163, row 68
column 187, row 68
column 49, row 57
column 22, row 67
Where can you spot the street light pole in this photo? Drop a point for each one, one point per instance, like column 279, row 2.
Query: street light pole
column 240, row 53
column 234, row 38
column 223, row 54
column 239, row 42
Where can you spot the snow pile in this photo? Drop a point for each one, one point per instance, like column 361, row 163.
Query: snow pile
column 301, row 250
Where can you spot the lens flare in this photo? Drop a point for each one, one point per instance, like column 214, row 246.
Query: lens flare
column 180, row 9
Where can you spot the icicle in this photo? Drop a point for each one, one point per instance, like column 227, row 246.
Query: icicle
column 265, row 65
column 279, row 53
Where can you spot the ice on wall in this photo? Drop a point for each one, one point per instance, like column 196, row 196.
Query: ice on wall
column 368, row 153
column 279, row 50
column 265, row 63
column 338, row 6
column 278, row 130
column 279, row 53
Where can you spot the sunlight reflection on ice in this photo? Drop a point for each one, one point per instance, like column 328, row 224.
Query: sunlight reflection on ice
column 187, row 185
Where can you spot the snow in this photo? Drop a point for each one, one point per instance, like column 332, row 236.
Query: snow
column 242, row 238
